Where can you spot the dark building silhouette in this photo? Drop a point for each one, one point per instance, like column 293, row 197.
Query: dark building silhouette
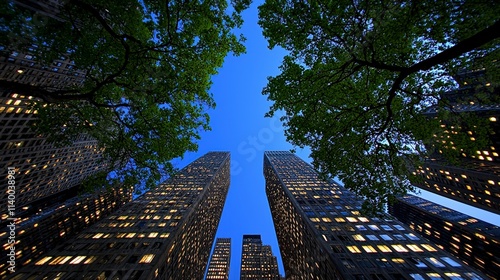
column 218, row 268
column 167, row 233
column 475, row 242
column 257, row 260
column 322, row 234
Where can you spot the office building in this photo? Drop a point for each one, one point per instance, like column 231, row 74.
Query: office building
column 475, row 178
column 475, row 242
column 167, row 233
column 323, row 235
column 218, row 268
column 37, row 233
column 257, row 260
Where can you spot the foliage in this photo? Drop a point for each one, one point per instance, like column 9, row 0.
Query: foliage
column 360, row 75
column 147, row 66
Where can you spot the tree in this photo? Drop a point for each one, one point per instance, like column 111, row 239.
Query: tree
column 360, row 75
column 147, row 66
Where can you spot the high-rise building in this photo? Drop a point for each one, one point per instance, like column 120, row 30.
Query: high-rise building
column 475, row 178
column 37, row 233
column 323, row 235
column 167, row 233
column 475, row 242
column 218, row 268
column 257, row 260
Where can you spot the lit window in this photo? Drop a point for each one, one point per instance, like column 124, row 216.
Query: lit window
column 384, row 248
column 374, row 227
column 398, row 227
column 434, row 276
column 412, row 236
column 417, row 276
column 399, row 248
column 354, row 249
column 385, row 237
column 435, row 262
column 358, row 237
column 451, row 262
column 360, row 227
column 43, row 261
column 147, row 258
column 369, row 249
column 414, row 248
column 428, row 247
column 372, row 237
column 77, row 260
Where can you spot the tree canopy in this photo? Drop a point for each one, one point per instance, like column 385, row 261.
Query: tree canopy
column 147, row 66
column 360, row 75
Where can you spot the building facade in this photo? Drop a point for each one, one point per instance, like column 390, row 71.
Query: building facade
column 475, row 178
column 167, row 233
column 257, row 260
column 218, row 268
column 38, row 233
column 322, row 234
column 475, row 242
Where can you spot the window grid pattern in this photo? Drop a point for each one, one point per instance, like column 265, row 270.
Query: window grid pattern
column 218, row 268
column 475, row 242
column 257, row 260
column 322, row 234
column 166, row 233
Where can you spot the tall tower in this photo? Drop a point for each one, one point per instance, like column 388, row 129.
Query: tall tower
column 257, row 260
column 475, row 242
column 218, row 269
column 475, row 180
column 167, row 233
column 322, row 234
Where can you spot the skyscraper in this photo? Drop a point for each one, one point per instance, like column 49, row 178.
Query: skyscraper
column 218, row 268
column 475, row 179
column 322, row 234
column 475, row 242
column 37, row 233
column 166, row 233
column 257, row 260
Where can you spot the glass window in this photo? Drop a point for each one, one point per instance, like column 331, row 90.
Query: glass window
column 435, row 262
column 385, row 237
column 434, row 276
column 372, row 237
column 386, row 227
column 412, row 236
column 354, row 249
column 399, row 237
column 417, row 276
column 398, row 227
column 369, row 249
column 451, row 262
column 373, row 227
column 360, row 227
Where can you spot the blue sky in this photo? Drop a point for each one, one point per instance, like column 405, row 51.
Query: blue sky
column 238, row 126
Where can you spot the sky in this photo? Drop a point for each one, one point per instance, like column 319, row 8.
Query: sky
column 239, row 126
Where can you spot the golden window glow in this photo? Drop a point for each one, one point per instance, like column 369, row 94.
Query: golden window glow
column 399, row 248
column 43, row 261
column 153, row 234
column 354, row 249
column 147, row 258
column 359, row 237
column 414, row 248
column 493, row 119
column 384, row 248
column 428, row 247
column 369, row 249
column 77, row 260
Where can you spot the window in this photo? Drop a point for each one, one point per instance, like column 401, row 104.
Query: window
column 384, row 248
column 374, row 227
column 358, row 237
column 386, row 237
column 434, row 276
column 417, row 276
column 414, row 248
column 372, row 237
column 399, row 248
column 451, row 262
column 412, row 236
column 386, row 227
column 398, row 227
column 369, row 249
column 360, row 227
column 435, row 262
column 354, row 249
